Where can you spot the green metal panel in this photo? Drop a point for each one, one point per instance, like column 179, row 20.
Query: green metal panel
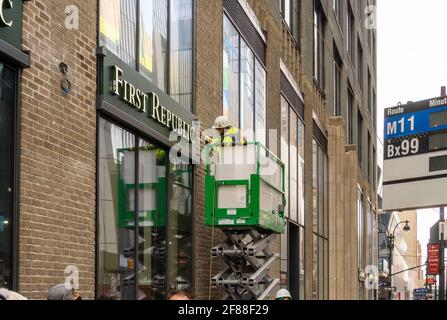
column 12, row 34
column 252, row 215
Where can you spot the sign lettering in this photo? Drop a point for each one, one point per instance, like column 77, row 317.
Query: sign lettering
column 149, row 104
column 5, row 4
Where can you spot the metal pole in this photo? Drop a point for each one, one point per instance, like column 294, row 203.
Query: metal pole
column 441, row 259
column 391, row 244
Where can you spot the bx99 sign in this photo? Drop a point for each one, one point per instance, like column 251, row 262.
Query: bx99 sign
column 415, row 155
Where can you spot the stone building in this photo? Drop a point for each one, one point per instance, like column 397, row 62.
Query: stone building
column 77, row 76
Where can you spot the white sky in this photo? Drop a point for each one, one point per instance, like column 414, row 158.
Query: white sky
column 412, row 63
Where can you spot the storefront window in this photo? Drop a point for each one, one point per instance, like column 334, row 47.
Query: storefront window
column 158, row 260
column 244, row 85
column 7, row 119
column 163, row 47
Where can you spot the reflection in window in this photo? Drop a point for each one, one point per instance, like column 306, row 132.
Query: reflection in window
column 244, row 85
column 153, row 41
column 170, row 71
column 247, row 87
column 7, row 111
column 158, row 260
column 231, row 72
column 116, row 233
column 261, row 103
column 181, row 55
column 118, row 28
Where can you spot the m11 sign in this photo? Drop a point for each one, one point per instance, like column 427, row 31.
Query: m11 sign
column 433, row 259
column 415, row 155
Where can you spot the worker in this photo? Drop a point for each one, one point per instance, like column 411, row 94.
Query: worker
column 228, row 135
column 283, row 294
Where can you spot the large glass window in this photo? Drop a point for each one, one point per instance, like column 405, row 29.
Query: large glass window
column 337, row 82
column 290, row 11
column 145, row 218
column 163, row 45
column 118, row 28
column 319, row 46
column 360, row 228
column 181, row 51
column 338, row 10
column 154, row 41
column 320, row 179
column 7, row 119
column 292, row 155
column 296, row 253
column 350, row 29
column 360, row 64
column 244, row 85
column 350, row 118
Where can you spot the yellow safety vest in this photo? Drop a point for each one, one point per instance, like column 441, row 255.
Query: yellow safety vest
column 231, row 137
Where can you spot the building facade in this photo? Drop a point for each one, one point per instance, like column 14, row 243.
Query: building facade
column 407, row 254
column 112, row 90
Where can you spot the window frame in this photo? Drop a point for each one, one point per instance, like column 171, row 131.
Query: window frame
column 15, row 157
column 295, row 19
column 321, row 234
column 137, row 47
column 319, row 20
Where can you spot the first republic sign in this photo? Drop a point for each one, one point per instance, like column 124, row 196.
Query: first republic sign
column 415, row 164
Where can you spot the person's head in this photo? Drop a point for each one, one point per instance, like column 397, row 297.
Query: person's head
column 180, row 296
column 283, row 294
column 221, row 124
column 61, row 292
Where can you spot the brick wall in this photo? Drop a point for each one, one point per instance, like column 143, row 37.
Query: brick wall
column 208, row 103
column 57, row 149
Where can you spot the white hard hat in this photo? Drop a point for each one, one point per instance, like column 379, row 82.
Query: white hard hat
column 283, row 293
column 221, row 122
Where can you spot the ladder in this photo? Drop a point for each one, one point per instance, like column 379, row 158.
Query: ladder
column 247, row 262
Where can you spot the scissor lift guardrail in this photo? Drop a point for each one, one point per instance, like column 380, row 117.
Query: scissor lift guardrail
column 245, row 198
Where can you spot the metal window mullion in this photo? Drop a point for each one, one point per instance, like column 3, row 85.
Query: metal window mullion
column 254, row 97
column 240, row 80
column 168, row 225
column 168, row 48
column 137, row 210
column 137, row 36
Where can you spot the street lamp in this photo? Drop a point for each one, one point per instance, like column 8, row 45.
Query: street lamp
column 391, row 237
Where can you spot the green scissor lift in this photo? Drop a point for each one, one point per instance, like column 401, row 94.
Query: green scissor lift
column 245, row 198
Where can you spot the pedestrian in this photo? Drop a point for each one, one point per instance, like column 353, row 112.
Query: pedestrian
column 283, row 294
column 6, row 294
column 61, row 292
